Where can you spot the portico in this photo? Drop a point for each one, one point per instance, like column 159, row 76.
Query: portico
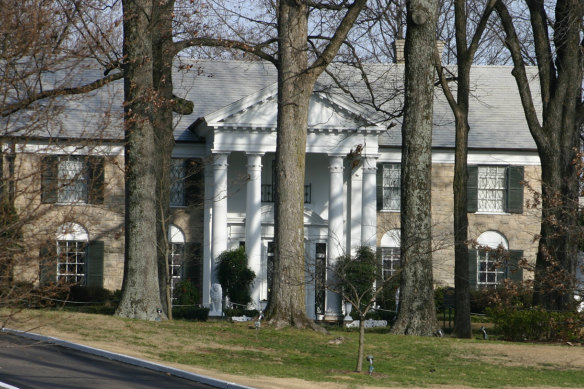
column 241, row 139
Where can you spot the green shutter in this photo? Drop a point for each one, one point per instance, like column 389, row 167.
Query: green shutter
column 193, row 266
column 94, row 265
column 472, row 189
column 96, row 180
column 49, row 179
column 515, row 189
column 472, row 268
column 47, row 264
column 379, row 187
column 194, row 182
column 513, row 270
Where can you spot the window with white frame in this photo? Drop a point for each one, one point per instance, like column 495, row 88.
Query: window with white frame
column 495, row 189
column 491, row 189
column 176, row 256
column 391, row 186
column 492, row 261
column 177, row 182
column 71, row 179
column 390, row 254
column 72, row 242
column 490, row 267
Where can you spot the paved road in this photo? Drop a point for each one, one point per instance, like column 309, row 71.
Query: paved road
column 26, row 363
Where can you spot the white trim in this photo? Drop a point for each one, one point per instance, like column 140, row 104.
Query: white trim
column 516, row 158
column 43, row 148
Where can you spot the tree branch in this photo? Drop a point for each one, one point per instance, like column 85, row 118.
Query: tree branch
column 256, row 49
column 15, row 107
column 512, row 43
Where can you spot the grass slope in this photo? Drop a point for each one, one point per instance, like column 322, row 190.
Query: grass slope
column 239, row 349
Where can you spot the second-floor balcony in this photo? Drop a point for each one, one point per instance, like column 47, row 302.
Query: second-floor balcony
column 268, row 193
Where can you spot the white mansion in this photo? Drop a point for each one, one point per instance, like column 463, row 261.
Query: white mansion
column 222, row 191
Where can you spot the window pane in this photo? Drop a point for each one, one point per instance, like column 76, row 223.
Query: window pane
column 177, row 183
column 73, row 179
column 489, row 270
column 390, row 257
column 491, row 189
column 391, row 186
column 71, row 261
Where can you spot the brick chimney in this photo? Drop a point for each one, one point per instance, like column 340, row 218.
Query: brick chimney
column 399, row 47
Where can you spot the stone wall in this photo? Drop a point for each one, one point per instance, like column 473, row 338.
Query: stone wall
column 520, row 229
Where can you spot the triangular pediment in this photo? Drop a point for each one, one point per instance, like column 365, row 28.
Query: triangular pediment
column 258, row 111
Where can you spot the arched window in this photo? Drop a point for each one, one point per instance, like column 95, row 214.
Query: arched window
column 492, row 261
column 176, row 254
column 493, row 248
column 390, row 253
column 72, row 240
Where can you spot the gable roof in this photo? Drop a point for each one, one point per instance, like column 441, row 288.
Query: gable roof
column 220, row 88
column 259, row 111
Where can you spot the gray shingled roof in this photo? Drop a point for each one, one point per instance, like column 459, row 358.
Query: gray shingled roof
column 496, row 116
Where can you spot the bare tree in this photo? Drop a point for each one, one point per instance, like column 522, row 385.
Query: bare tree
column 556, row 133
column 140, row 290
column 358, row 281
column 45, row 47
column 465, row 54
column 417, row 314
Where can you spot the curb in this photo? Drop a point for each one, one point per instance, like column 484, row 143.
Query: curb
column 129, row 360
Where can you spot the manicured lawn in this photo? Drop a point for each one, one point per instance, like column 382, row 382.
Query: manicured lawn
column 238, row 348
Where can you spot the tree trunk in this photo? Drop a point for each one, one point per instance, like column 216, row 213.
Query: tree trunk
column 140, row 292
column 417, row 314
column 287, row 306
column 295, row 84
column 556, row 262
column 361, row 351
column 557, row 139
column 162, row 51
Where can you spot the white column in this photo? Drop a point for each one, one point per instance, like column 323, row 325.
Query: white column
column 219, row 218
column 207, row 231
column 335, row 230
column 356, row 204
column 253, row 223
column 369, row 198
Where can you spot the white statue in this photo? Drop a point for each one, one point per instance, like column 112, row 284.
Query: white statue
column 216, row 297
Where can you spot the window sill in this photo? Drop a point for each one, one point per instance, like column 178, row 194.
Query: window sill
column 491, row 213
column 178, row 206
column 389, row 211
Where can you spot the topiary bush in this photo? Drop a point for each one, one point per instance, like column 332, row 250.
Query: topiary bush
column 190, row 313
column 234, row 276
column 185, row 293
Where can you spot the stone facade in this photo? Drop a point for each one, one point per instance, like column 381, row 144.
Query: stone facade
column 521, row 230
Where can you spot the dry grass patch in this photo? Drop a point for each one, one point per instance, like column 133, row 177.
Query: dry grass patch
column 526, row 355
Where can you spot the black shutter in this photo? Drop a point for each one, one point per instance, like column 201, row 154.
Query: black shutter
column 193, row 266
column 379, row 187
column 515, row 189
column 513, row 271
column 194, row 182
column 49, row 179
column 472, row 189
column 95, row 186
column 472, row 268
column 48, row 264
column 94, row 265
